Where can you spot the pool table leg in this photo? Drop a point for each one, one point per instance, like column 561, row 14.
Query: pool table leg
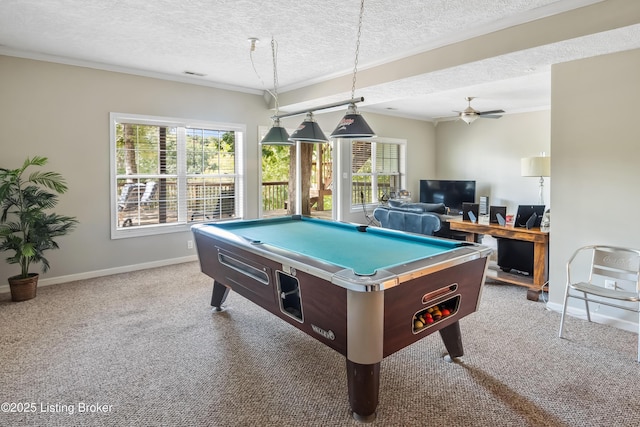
column 363, row 383
column 452, row 339
column 218, row 295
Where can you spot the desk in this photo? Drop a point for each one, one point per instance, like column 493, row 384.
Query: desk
column 359, row 290
column 540, row 241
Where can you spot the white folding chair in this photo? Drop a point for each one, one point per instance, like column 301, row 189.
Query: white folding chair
column 613, row 280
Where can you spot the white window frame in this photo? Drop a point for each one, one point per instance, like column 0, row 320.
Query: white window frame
column 182, row 224
column 402, row 143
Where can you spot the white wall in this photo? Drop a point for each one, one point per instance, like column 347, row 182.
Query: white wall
column 594, row 140
column 595, row 148
column 62, row 112
column 489, row 151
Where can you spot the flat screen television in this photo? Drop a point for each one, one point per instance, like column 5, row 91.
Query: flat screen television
column 452, row 193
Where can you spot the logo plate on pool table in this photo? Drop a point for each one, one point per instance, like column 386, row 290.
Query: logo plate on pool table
column 327, row 334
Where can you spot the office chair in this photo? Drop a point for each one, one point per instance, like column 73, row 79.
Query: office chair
column 613, row 280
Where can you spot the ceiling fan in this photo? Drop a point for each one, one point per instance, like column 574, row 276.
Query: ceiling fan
column 469, row 115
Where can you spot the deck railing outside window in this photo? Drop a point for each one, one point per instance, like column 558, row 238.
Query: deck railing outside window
column 274, row 195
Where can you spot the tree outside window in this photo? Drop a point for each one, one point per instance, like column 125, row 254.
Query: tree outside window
column 169, row 174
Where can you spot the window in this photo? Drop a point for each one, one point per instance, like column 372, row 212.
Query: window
column 168, row 173
column 375, row 170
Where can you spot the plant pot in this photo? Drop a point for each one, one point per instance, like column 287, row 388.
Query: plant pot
column 23, row 289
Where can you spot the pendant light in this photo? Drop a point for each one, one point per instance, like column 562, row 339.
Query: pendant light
column 277, row 135
column 353, row 125
column 309, row 131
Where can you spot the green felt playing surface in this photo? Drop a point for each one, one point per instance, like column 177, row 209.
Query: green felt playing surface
column 341, row 244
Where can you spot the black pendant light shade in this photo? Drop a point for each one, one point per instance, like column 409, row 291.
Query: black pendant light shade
column 309, row 131
column 277, row 135
column 353, row 125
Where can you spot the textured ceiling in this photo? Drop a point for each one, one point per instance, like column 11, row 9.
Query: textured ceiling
column 417, row 58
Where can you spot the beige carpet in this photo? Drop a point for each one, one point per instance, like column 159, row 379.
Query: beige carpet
column 145, row 349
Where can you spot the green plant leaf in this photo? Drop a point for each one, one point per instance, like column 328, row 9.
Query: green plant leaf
column 26, row 228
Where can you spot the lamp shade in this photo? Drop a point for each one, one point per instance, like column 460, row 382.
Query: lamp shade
column 353, row 125
column 277, row 135
column 308, row 131
column 535, row 166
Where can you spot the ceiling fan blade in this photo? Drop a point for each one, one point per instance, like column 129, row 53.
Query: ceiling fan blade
column 484, row 113
column 490, row 116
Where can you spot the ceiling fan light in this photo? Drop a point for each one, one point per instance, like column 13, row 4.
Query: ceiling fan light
column 308, row 131
column 468, row 118
column 353, row 125
column 277, row 135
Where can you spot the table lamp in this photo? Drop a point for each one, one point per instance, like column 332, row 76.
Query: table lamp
column 536, row 166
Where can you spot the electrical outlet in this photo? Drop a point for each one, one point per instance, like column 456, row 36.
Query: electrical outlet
column 189, row 244
column 610, row 284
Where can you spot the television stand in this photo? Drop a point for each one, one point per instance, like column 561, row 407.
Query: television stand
column 540, row 240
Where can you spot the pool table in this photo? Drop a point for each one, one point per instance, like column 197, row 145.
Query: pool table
column 363, row 291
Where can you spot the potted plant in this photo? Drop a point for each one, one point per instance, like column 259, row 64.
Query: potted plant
column 27, row 229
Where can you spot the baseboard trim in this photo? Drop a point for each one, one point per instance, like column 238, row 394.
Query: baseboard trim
column 623, row 324
column 107, row 272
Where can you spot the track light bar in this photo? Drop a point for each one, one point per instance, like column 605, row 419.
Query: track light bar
column 322, row 107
